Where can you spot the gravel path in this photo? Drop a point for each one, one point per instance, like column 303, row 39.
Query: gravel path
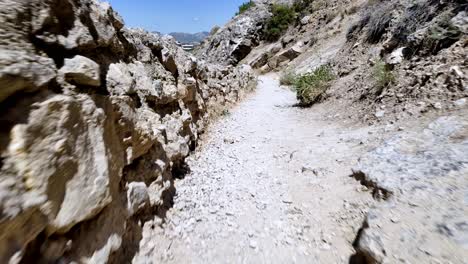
column 269, row 184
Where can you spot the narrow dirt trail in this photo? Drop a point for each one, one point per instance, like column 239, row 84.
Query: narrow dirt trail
column 270, row 184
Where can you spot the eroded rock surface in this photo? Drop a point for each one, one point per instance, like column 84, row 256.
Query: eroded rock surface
column 233, row 42
column 426, row 173
column 96, row 121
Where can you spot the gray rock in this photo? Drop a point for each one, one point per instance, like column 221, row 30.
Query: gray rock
column 169, row 62
column 380, row 114
column 397, row 56
column 371, row 247
column 287, row 39
column 20, row 71
column 419, row 169
column 230, row 44
column 81, row 70
column 305, row 20
column 460, row 102
column 461, row 21
column 137, row 197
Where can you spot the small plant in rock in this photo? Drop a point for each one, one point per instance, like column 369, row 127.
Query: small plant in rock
column 278, row 23
column 288, row 78
column 310, row 87
column 245, row 6
column 382, row 75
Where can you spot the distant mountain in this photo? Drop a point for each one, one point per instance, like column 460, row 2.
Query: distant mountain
column 188, row 37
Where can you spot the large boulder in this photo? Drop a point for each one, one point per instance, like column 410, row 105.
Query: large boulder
column 60, row 153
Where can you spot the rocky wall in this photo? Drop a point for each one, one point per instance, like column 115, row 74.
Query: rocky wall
column 95, row 123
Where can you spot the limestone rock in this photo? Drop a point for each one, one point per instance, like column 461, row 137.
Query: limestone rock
column 233, row 42
column 287, row 55
column 286, row 40
column 371, row 246
column 416, row 171
column 461, row 21
column 66, row 153
column 397, row 56
column 21, row 67
column 63, row 145
column 81, row 70
column 169, row 62
column 305, row 20
column 137, row 197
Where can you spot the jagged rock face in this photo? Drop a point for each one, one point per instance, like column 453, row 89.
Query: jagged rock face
column 96, row 120
column 235, row 40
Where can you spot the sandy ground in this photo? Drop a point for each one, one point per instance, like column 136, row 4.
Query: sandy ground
column 270, row 184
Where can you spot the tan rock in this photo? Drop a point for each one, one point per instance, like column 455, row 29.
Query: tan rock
column 82, row 71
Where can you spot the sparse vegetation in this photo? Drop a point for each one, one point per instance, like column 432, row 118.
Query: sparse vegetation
column 279, row 22
column 379, row 23
column 414, row 16
column 376, row 19
column 288, row 78
column 310, row 87
column 442, row 34
column 356, row 28
column 382, row 75
column 245, row 6
column 302, row 6
column 214, row 30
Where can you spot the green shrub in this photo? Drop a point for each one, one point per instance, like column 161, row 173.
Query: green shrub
column 288, row 78
column 282, row 17
column 310, row 87
column 245, row 6
column 383, row 76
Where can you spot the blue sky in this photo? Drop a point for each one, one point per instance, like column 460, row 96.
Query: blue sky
column 176, row 15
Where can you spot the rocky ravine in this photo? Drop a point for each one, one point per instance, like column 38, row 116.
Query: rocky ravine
column 96, row 121
column 416, row 163
column 269, row 185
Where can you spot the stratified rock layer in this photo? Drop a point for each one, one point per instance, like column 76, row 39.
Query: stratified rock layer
column 96, row 121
